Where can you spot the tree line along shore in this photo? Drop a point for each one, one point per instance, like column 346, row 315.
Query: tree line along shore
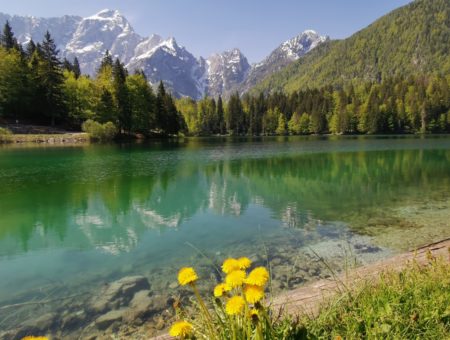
column 39, row 88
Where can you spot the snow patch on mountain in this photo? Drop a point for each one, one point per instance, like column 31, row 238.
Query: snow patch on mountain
column 301, row 44
column 224, row 72
column 161, row 59
column 106, row 30
column 164, row 59
column 283, row 55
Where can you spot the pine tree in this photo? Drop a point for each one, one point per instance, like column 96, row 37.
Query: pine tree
column 252, row 117
column 140, row 72
column 106, row 61
column 31, row 47
column 220, row 116
column 66, row 65
column 122, row 96
column 51, row 79
column 161, row 112
column 169, row 120
column 213, row 120
column 76, row 68
column 105, row 110
column 260, row 108
column 173, row 119
column 235, row 114
column 7, row 39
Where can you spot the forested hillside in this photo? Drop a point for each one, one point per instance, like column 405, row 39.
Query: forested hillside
column 392, row 77
column 396, row 105
column 37, row 87
column 412, row 40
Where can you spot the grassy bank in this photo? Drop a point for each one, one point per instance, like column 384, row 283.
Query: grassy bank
column 411, row 304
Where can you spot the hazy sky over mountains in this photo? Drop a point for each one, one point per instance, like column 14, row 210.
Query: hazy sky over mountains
column 208, row 26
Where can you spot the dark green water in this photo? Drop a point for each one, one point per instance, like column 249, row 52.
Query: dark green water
column 78, row 216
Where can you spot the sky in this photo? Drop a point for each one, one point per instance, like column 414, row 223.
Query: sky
column 205, row 27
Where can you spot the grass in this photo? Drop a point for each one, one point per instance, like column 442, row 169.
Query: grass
column 411, row 304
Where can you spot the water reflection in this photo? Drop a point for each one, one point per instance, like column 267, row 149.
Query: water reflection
column 109, row 197
column 72, row 219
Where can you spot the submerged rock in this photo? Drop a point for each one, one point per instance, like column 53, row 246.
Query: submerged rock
column 119, row 293
column 106, row 320
column 73, row 320
column 41, row 323
column 140, row 306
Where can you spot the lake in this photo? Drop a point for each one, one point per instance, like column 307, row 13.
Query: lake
column 74, row 218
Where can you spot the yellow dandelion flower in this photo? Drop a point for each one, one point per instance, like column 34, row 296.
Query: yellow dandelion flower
column 35, row 338
column 244, row 262
column 235, row 279
column 181, row 329
column 253, row 293
column 220, row 289
column 235, row 305
column 258, row 277
column 230, row 265
column 187, row 275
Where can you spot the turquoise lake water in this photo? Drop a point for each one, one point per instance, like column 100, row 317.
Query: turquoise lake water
column 72, row 218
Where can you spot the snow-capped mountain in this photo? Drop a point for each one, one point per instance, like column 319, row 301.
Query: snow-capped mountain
column 160, row 59
column 224, row 72
column 282, row 56
column 166, row 60
column 106, row 30
column 26, row 28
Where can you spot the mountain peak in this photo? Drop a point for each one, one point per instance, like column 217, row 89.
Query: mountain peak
column 160, row 58
column 107, row 13
column 225, row 71
column 299, row 45
column 309, row 32
column 235, row 51
column 171, row 42
column 283, row 55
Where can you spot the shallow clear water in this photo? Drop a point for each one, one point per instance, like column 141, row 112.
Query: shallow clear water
column 75, row 217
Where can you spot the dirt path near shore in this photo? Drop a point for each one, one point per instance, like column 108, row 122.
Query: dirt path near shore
column 47, row 139
column 309, row 298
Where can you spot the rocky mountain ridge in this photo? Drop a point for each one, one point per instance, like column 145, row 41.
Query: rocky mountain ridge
column 161, row 59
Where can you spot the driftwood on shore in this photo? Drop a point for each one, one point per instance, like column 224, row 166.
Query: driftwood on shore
column 309, row 298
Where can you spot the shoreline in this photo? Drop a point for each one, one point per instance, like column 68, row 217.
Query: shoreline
column 150, row 310
column 410, row 213
column 46, row 139
column 308, row 300
column 83, row 138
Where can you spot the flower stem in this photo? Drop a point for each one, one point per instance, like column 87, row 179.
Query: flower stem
column 205, row 311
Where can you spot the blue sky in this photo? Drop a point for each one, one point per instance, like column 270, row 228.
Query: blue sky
column 207, row 26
